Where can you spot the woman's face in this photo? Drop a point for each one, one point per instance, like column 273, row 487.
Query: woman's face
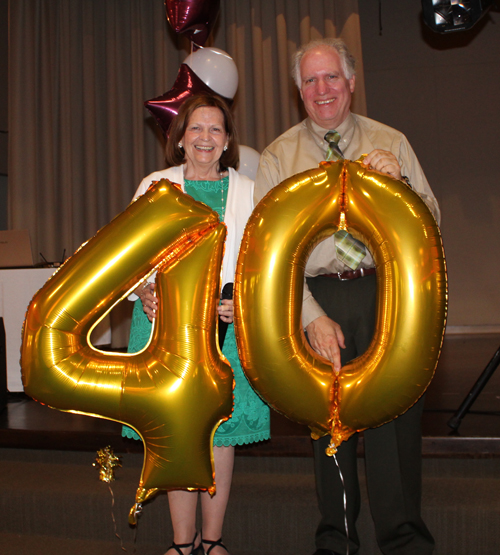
column 205, row 136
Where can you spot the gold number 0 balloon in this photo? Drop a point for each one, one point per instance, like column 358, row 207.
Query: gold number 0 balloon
column 405, row 241
column 177, row 390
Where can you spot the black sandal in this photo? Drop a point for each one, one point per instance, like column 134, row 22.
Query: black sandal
column 213, row 544
column 194, row 551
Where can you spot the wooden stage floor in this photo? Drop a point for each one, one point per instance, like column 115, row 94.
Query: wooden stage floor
column 27, row 424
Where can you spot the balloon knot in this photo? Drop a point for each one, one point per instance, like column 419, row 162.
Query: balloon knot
column 134, row 514
column 331, row 449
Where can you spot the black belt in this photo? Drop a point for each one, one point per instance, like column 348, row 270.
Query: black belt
column 350, row 274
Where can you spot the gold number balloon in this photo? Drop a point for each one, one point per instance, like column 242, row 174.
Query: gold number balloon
column 177, row 390
column 405, row 241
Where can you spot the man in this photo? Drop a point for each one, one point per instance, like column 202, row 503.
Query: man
column 339, row 308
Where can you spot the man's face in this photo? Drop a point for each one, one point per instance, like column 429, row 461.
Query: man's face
column 324, row 88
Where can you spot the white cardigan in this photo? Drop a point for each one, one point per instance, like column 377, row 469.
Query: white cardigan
column 239, row 207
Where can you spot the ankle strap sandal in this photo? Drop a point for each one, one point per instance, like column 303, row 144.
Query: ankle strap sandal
column 179, row 546
column 213, row 544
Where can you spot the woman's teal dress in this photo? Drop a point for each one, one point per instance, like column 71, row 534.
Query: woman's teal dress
column 250, row 420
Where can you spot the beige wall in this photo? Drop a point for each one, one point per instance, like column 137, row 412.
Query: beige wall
column 443, row 92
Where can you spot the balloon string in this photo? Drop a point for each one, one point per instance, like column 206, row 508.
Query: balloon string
column 345, row 504
column 114, row 520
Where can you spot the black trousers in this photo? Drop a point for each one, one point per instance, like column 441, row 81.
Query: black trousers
column 392, row 451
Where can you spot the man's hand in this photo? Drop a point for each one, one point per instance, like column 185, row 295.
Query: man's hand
column 383, row 161
column 325, row 337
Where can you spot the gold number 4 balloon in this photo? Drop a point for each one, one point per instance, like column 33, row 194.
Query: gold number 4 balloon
column 177, row 390
column 405, row 241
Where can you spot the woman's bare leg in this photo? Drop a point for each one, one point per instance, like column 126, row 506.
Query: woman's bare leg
column 183, row 514
column 213, row 509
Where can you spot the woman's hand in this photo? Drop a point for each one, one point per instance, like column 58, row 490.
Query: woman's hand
column 226, row 311
column 149, row 301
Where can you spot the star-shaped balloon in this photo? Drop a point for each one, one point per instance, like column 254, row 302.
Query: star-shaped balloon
column 196, row 18
column 164, row 108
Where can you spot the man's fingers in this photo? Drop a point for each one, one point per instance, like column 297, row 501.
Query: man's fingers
column 326, row 338
column 383, row 161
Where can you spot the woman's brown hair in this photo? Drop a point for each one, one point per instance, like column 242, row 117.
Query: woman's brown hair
column 174, row 154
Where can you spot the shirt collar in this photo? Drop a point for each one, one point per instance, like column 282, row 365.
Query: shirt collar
column 345, row 129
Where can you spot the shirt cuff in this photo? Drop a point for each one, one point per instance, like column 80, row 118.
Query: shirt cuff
column 310, row 310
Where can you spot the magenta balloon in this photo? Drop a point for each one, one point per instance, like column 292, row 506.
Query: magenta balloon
column 193, row 17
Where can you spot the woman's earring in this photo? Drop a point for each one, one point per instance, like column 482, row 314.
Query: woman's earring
column 225, row 148
column 180, row 145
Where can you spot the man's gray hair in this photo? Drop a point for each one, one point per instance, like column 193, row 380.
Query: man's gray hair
column 346, row 58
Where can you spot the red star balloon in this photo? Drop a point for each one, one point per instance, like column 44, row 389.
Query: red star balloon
column 193, row 17
column 164, row 108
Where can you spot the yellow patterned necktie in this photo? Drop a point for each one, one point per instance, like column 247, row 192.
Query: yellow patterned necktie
column 333, row 153
column 350, row 251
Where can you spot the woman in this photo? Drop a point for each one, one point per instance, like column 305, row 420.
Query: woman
column 202, row 153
